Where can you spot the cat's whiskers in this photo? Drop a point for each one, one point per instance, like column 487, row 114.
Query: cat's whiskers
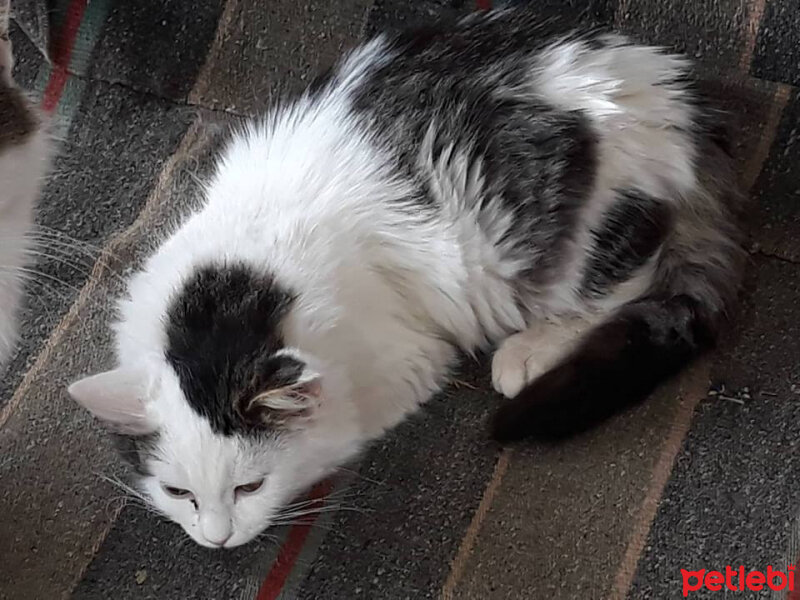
column 271, row 537
column 128, row 490
column 320, row 500
column 26, row 271
column 93, row 256
column 36, row 249
column 44, row 233
column 315, row 524
column 52, row 240
column 62, row 260
column 47, row 290
column 359, row 475
column 44, row 242
column 296, row 517
column 51, row 283
column 44, row 284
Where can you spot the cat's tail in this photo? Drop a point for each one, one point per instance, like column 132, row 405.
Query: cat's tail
column 624, row 358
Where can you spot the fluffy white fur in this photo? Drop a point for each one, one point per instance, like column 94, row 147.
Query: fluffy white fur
column 306, row 195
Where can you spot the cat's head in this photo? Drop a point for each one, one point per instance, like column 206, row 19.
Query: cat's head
column 223, row 488
column 228, row 424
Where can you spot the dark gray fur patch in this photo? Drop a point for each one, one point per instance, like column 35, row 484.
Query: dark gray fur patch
column 18, row 120
column 632, row 231
column 539, row 160
column 223, row 331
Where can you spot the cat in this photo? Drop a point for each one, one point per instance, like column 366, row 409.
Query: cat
column 24, row 159
column 567, row 199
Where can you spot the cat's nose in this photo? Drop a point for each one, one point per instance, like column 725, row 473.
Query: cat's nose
column 216, row 527
column 218, row 538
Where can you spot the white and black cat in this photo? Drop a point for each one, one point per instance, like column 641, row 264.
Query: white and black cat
column 24, row 158
column 441, row 192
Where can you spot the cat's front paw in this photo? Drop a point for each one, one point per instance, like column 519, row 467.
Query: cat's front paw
column 514, row 365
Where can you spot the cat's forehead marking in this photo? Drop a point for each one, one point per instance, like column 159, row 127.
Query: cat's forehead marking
column 221, row 328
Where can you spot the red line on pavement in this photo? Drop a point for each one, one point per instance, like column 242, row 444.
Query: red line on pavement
column 62, row 52
column 292, row 546
column 484, row 4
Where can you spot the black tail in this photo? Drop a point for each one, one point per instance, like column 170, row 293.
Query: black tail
column 618, row 364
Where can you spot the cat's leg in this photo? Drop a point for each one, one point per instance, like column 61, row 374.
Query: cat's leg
column 524, row 356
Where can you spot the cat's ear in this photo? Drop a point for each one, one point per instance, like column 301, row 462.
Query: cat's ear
column 117, row 398
column 287, row 398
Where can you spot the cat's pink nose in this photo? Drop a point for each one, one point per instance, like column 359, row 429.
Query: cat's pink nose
column 216, row 527
column 219, row 540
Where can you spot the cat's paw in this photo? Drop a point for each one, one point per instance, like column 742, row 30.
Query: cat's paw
column 526, row 355
column 516, row 363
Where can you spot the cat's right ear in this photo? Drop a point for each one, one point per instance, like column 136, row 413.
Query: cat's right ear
column 117, row 398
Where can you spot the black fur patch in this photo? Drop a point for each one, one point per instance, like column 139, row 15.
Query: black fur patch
column 542, row 165
column 632, row 231
column 618, row 365
column 223, row 331
column 539, row 160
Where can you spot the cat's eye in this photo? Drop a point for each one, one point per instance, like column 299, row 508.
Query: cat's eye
column 249, row 488
column 178, row 493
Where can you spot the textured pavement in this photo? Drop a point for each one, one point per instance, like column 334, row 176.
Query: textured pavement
column 703, row 475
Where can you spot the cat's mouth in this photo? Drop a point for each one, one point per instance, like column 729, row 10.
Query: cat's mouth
column 232, row 542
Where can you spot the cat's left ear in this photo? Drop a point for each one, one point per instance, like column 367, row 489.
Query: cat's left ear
column 117, row 398
column 290, row 393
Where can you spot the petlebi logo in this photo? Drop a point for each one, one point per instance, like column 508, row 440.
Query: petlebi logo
column 738, row 580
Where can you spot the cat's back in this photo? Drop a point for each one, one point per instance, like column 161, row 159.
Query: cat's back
column 493, row 138
column 538, row 130
column 508, row 73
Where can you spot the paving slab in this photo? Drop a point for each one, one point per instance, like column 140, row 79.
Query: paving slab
column 777, row 49
column 710, row 31
column 776, row 228
column 137, row 37
column 265, row 50
column 562, row 516
column 733, row 496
